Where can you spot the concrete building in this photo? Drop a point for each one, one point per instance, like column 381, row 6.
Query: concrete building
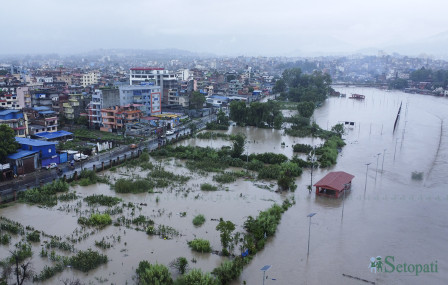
column 117, row 118
column 90, row 78
column 150, row 96
column 41, row 119
column 159, row 77
column 16, row 120
column 9, row 98
column 101, row 98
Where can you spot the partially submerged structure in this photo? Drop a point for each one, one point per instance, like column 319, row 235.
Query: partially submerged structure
column 334, row 184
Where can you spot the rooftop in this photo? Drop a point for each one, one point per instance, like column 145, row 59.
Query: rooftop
column 335, row 180
column 32, row 142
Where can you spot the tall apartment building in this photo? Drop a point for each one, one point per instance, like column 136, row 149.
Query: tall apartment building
column 101, row 98
column 159, row 76
column 116, row 118
column 149, row 96
column 9, row 98
column 90, row 78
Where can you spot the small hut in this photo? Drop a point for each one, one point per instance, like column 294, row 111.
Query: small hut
column 334, row 184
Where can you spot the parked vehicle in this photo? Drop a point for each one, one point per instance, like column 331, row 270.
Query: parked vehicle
column 51, row 165
column 132, row 146
column 80, row 156
column 170, row 132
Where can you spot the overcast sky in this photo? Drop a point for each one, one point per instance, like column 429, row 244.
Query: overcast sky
column 233, row 27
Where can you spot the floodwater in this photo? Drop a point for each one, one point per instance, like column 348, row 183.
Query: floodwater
column 387, row 214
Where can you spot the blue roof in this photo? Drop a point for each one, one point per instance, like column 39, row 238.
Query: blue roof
column 41, row 108
column 219, row 97
column 22, row 153
column 46, row 112
column 32, row 142
column 53, row 135
column 6, row 112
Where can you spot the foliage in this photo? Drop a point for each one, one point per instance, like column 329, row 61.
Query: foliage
column 307, row 87
column 102, row 200
column 5, row 239
column 22, row 252
column 269, row 157
column 238, row 144
column 257, row 114
column 228, row 271
column 270, row 172
column 196, row 277
column 34, row 236
column 153, row 274
column 44, row 195
column 87, row 260
column 417, row 175
column 338, row 129
column 199, row 220
column 303, row 148
column 280, row 86
column 48, row 272
column 398, row 83
column 226, row 177
column 8, row 142
column 255, row 165
column 67, row 197
column 208, row 187
column 180, row 264
column 100, row 220
column 306, row 109
column 200, row 245
column 197, row 100
column 89, row 177
column 123, row 185
column 329, row 151
column 211, row 135
column 225, row 228
column 165, row 232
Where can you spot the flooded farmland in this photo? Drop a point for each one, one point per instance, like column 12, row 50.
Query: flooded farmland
column 387, row 214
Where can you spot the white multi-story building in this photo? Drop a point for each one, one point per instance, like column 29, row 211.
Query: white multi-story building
column 88, row 79
column 158, row 76
column 184, row 74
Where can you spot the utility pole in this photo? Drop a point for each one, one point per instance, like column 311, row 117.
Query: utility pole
column 377, row 158
column 365, row 185
column 382, row 164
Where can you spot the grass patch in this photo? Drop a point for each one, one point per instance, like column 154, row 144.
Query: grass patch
column 199, row 220
column 200, row 245
column 102, row 200
column 44, row 195
column 123, row 185
column 208, row 187
column 96, row 220
column 87, row 260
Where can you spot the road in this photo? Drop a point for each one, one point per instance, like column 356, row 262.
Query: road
column 42, row 176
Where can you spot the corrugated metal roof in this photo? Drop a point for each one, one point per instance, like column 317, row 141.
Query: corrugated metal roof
column 335, row 180
column 21, row 153
column 32, row 142
column 53, row 135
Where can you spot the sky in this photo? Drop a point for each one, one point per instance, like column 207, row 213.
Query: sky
column 225, row 27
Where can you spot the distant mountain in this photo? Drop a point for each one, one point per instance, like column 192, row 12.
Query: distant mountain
column 155, row 53
column 434, row 45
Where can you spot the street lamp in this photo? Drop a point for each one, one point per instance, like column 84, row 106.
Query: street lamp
column 264, row 269
column 343, row 200
column 382, row 164
column 309, row 231
column 312, row 159
column 367, row 169
column 377, row 158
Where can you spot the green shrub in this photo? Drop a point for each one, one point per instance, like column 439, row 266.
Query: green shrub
column 195, row 277
column 153, row 274
column 303, row 148
column 102, row 200
column 5, row 239
column 200, row 245
column 87, row 260
column 208, row 187
column 44, row 195
column 226, row 177
column 228, row 271
column 100, row 220
column 270, row 172
column 199, row 220
column 33, row 236
column 123, row 185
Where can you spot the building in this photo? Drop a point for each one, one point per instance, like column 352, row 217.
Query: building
column 54, row 136
column 117, row 118
column 24, row 161
column 16, row 120
column 41, row 119
column 150, row 96
column 101, row 98
column 158, row 76
column 334, row 184
column 46, row 150
column 89, row 79
column 9, row 98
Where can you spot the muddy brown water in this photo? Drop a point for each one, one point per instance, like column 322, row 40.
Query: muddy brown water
column 395, row 216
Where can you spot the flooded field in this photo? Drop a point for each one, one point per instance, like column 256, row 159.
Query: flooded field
column 387, row 214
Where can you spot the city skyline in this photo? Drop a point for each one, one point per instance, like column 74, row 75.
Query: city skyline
column 252, row 28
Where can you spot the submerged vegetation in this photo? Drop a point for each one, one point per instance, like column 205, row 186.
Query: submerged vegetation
column 44, row 195
column 200, row 245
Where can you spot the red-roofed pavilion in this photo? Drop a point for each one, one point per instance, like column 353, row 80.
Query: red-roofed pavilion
column 334, row 184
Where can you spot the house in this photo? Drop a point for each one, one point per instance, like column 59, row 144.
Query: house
column 53, row 136
column 46, row 150
column 16, row 120
column 334, row 184
column 24, row 161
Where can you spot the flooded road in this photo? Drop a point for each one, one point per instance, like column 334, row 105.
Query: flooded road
column 395, row 216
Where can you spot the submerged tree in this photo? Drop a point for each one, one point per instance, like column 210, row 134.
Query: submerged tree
column 225, row 228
